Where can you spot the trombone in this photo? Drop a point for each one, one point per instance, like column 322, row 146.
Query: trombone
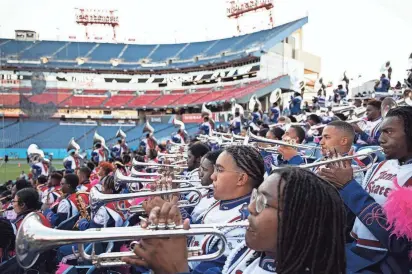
column 33, row 238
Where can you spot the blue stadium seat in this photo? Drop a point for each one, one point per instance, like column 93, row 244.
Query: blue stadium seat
column 13, row 47
column 74, row 50
column 105, row 52
column 135, row 53
column 194, row 49
column 164, row 52
column 42, row 49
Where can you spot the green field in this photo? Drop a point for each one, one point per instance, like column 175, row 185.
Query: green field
column 11, row 170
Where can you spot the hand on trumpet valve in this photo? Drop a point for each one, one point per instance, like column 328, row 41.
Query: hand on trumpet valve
column 157, row 201
column 157, row 254
column 338, row 173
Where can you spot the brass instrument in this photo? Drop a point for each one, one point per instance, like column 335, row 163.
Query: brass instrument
column 33, row 238
column 343, row 158
column 254, row 138
column 120, row 179
column 5, row 198
column 82, row 206
column 154, row 165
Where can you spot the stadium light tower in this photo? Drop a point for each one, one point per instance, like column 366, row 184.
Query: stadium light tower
column 97, row 17
column 237, row 8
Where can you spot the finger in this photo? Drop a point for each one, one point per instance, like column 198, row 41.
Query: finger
column 175, row 199
column 174, row 216
column 164, row 213
column 135, row 261
column 154, row 215
column 186, row 224
column 142, row 252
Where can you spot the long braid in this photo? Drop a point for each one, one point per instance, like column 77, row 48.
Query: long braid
column 313, row 242
column 404, row 113
column 250, row 161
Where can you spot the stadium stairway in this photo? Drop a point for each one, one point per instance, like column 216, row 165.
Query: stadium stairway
column 9, row 125
column 32, row 135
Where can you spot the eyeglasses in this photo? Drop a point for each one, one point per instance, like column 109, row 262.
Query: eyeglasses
column 260, row 201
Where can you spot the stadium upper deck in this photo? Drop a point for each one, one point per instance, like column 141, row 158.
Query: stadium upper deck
column 83, row 56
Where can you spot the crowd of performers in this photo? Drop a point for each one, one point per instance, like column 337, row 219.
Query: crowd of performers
column 348, row 216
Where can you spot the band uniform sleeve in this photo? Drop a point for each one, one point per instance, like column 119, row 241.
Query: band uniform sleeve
column 372, row 216
column 61, row 215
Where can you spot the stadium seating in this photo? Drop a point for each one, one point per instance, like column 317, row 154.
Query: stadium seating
column 9, row 99
column 143, row 100
column 84, row 101
column 98, row 55
column 165, row 100
column 118, row 100
column 47, row 97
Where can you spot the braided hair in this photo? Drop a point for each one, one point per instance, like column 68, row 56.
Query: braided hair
column 311, row 229
column 249, row 160
column 404, row 113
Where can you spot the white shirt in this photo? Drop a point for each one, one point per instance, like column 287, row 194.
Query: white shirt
column 378, row 183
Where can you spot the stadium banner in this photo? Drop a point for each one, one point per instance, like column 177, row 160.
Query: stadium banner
column 222, row 116
column 160, row 119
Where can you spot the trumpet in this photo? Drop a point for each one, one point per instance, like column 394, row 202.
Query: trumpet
column 135, row 173
column 33, row 238
column 344, row 158
column 5, row 198
column 155, row 165
column 120, row 179
column 254, row 138
column 97, row 197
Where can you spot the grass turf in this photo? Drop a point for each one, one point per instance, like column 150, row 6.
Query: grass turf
column 12, row 170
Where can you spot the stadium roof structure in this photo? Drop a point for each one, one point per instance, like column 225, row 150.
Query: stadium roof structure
column 86, row 56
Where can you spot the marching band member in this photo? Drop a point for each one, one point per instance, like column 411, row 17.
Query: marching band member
column 256, row 115
column 72, row 162
column 295, row 104
column 194, row 156
column 105, row 168
column 236, row 123
column 370, row 135
column 289, row 155
column 375, row 248
column 206, row 169
column 206, row 127
column 53, row 191
column 19, row 185
column 121, row 146
column 24, row 202
column 237, row 171
column 67, row 207
column 309, row 240
column 7, row 206
column 84, row 179
column 37, row 164
column 100, row 150
column 104, row 215
column 274, row 113
column 177, row 138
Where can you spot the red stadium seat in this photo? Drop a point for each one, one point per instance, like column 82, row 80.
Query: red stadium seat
column 190, row 98
column 94, row 91
column 47, row 97
column 9, row 99
column 85, row 101
column 143, row 100
column 165, row 100
column 118, row 100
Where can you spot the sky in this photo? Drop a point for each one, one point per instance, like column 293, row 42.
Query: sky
column 358, row 36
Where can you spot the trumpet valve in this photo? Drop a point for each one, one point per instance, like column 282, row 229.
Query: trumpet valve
column 194, row 251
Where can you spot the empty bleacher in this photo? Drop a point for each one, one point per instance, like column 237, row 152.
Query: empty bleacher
column 9, row 99
column 84, row 101
column 98, row 55
column 118, row 100
column 143, row 100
